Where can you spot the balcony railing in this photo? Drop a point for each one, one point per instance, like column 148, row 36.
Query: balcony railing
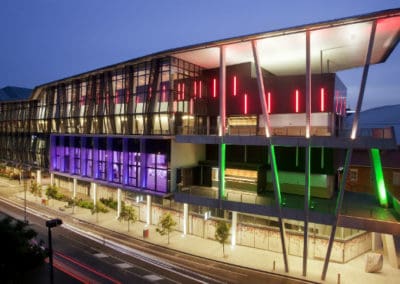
column 377, row 133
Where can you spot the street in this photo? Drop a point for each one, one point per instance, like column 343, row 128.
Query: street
column 94, row 254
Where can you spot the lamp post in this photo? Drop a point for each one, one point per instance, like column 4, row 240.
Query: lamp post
column 51, row 224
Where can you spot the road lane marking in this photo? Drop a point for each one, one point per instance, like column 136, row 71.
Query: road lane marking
column 124, row 265
column 100, row 255
column 152, row 277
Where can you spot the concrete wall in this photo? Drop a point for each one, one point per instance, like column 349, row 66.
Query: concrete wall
column 184, row 155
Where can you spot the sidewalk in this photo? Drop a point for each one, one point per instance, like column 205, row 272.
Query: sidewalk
column 350, row 272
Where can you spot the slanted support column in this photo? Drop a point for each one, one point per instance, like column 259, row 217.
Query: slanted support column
column 363, row 81
column 185, row 218
column 222, row 92
column 389, row 248
column 234, row 228
column 337, row 211
column 379, row 178
column 306, row 208
column 222, row 124
column 118, row 202
column 148, row 210
column 261, row 90
column 272, row 158
column 308, row 86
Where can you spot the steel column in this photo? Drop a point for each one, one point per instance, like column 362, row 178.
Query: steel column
column 308, row 154
column 337, row 211
column 363, row 81
column 222, row 124
column 271, row 149
column 306, row 208
column 308, row 86
column 261, row 90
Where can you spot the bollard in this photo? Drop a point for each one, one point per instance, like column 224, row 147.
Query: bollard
column 273, row 266
column 338, row 278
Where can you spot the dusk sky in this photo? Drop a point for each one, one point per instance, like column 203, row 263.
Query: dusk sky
column 46, row 40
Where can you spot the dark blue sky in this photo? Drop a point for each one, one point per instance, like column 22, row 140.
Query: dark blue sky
column 45, row 40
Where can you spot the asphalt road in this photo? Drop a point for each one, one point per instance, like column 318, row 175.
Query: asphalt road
column 92, row 254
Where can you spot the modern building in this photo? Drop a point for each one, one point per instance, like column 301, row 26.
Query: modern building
column 250, row 129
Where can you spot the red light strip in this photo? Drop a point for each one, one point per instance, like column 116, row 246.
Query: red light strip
column 191, row 106
column 234, row 86
column 322, row 100
column 269, row 102
column 163, row 93
column 336, row 101
column 183, row 91
column 179, row 91
column 200, row 89
column 195, row 88
column 214, row 88
column 297, row 101
column 245, row 103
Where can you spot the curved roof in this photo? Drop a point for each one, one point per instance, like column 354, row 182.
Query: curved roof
column 380, row 117
column 11, row 93
column 334, row 45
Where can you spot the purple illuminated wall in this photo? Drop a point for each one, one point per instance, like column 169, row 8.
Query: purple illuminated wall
column 110, row 164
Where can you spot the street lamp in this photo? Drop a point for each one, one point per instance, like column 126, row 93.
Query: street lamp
column 51, row 224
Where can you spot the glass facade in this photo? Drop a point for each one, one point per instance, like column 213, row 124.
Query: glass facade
column 106, row 159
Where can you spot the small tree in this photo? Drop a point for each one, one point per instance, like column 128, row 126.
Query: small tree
column 98, row 207
column 36, row 189
column 128, row 213
column 222, row 234
column 165, row 225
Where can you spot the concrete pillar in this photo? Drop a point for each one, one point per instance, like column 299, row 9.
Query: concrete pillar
column 234, row 226
column 185, row 218
column 74, row 185
column 118, row 202
column 39, row 177
column 52, row 179
column 389, row 248
column 93, row 193
column 148, row 210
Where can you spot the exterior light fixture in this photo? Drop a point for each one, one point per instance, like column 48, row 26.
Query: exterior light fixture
column 52, row 224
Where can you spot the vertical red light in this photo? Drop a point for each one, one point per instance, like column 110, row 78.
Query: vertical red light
column 245, row 103
column 183, row 91
column 195, row 88
column 336, row 101
column 179, row 91
column 163, row 93
column 234, row 86
column 214, row 88
column 200, row 89
column 269, row 102
column 191, row 106
column 322, row 100
column 297, row 101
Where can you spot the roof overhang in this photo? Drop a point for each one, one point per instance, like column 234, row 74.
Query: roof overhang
column 334, row 46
